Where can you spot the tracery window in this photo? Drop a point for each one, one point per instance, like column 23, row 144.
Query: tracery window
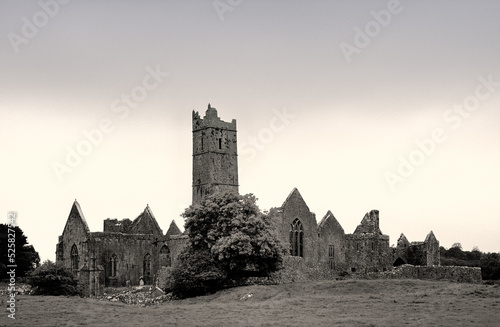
column 297, row 238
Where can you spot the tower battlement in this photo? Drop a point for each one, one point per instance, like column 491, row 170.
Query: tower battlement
column 211, row 119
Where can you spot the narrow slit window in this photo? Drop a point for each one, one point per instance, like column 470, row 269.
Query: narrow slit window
column 74, row 259
column 113, row 265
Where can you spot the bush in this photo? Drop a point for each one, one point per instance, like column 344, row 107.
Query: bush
column 196, row 274
column 53, row 279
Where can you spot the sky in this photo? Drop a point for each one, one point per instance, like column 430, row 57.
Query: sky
column 360, row 105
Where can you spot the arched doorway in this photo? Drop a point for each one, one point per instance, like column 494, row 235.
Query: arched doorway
column 398, row 262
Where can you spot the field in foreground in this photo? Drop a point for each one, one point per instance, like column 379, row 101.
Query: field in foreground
column 324, row 303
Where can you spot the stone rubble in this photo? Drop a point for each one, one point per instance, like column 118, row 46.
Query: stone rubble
column 138, row 296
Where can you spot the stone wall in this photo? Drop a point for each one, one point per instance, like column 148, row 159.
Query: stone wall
column 368, row 253
column 177, row 243
column 296, row 269
column 117, row 226
column 450, row 273
column 130, row 251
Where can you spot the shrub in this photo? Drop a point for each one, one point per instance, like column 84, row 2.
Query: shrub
column 196, row 274
column 53, row 279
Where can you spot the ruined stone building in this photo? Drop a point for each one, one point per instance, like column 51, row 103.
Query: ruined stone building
column 130, row 250
column 327, row 245
column 124, row 251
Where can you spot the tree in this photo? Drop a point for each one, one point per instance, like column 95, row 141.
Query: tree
column 456, row 252
column 490, row 265
column 53, row 279
column 232, row 238
column 26, row 258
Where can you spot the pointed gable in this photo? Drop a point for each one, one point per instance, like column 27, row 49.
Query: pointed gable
column 430, row 237
column 76, row 219
column 296, row 198
column 402, row 241
column 332, row 241
column 145, row 223
column 173, row 229
column 369, row 224
column 330, row 222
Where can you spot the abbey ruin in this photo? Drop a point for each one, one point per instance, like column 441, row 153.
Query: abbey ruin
column 133, row 251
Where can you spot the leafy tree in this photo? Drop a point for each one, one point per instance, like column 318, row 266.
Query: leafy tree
column 26, row 258
column 490, row 265
column 489, row 262
column 53, row 279
column 456, row 252
column 474, row 255
column 232, row 239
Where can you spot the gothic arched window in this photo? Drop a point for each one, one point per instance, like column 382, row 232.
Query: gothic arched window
column 165, row 259
column 74, row 259
column 113, row 264
column 297, row 239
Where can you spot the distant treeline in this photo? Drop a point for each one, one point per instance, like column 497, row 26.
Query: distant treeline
column 489, row 262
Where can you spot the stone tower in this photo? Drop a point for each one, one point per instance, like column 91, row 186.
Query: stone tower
column 215, row 158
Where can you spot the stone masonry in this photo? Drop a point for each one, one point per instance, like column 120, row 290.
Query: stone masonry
column 128, row 251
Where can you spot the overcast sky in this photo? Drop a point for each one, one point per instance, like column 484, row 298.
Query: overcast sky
column 361, row 105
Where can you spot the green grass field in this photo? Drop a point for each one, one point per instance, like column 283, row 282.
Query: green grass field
column 324, row 303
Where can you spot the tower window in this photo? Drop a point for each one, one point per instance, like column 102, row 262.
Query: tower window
column 220, row 143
